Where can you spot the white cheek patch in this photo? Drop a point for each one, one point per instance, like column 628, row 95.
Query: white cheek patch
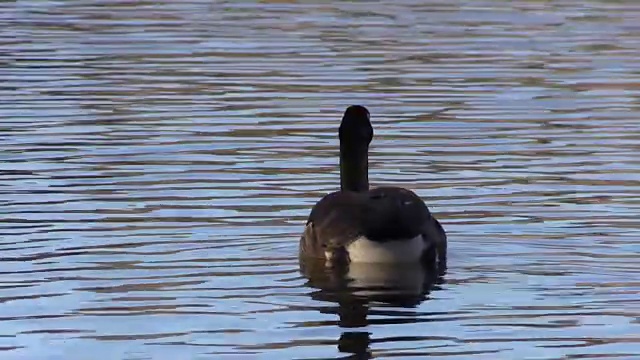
column 363, row 250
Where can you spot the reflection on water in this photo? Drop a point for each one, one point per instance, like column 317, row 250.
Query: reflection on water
column 353, row 291
column 158, row 160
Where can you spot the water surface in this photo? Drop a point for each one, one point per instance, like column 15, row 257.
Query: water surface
column 159, row 160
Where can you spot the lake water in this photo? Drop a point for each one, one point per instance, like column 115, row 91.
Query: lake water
column 159, row 159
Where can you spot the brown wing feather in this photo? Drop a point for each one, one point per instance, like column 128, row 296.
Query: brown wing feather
column 381, row 214
column 334, row 222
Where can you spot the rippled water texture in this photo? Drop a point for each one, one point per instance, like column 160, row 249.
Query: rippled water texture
column 159, row 158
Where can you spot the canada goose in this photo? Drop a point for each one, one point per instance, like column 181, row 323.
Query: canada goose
column 358, row 224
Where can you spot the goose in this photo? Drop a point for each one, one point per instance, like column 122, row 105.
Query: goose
column 361, row 225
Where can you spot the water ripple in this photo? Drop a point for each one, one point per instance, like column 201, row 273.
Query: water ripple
column 159, row 159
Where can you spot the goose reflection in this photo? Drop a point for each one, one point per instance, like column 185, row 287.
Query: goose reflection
column 355, row 287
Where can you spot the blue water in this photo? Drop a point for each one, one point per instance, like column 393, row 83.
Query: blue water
column 159, row 159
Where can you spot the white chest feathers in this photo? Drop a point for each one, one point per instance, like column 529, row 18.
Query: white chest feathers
column 363, row 250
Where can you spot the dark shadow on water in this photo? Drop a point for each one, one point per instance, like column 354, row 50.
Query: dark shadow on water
column 355, row 288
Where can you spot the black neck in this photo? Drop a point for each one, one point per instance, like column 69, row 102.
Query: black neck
column 354, row 167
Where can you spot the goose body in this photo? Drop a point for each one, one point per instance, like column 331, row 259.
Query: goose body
column 362, row 225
